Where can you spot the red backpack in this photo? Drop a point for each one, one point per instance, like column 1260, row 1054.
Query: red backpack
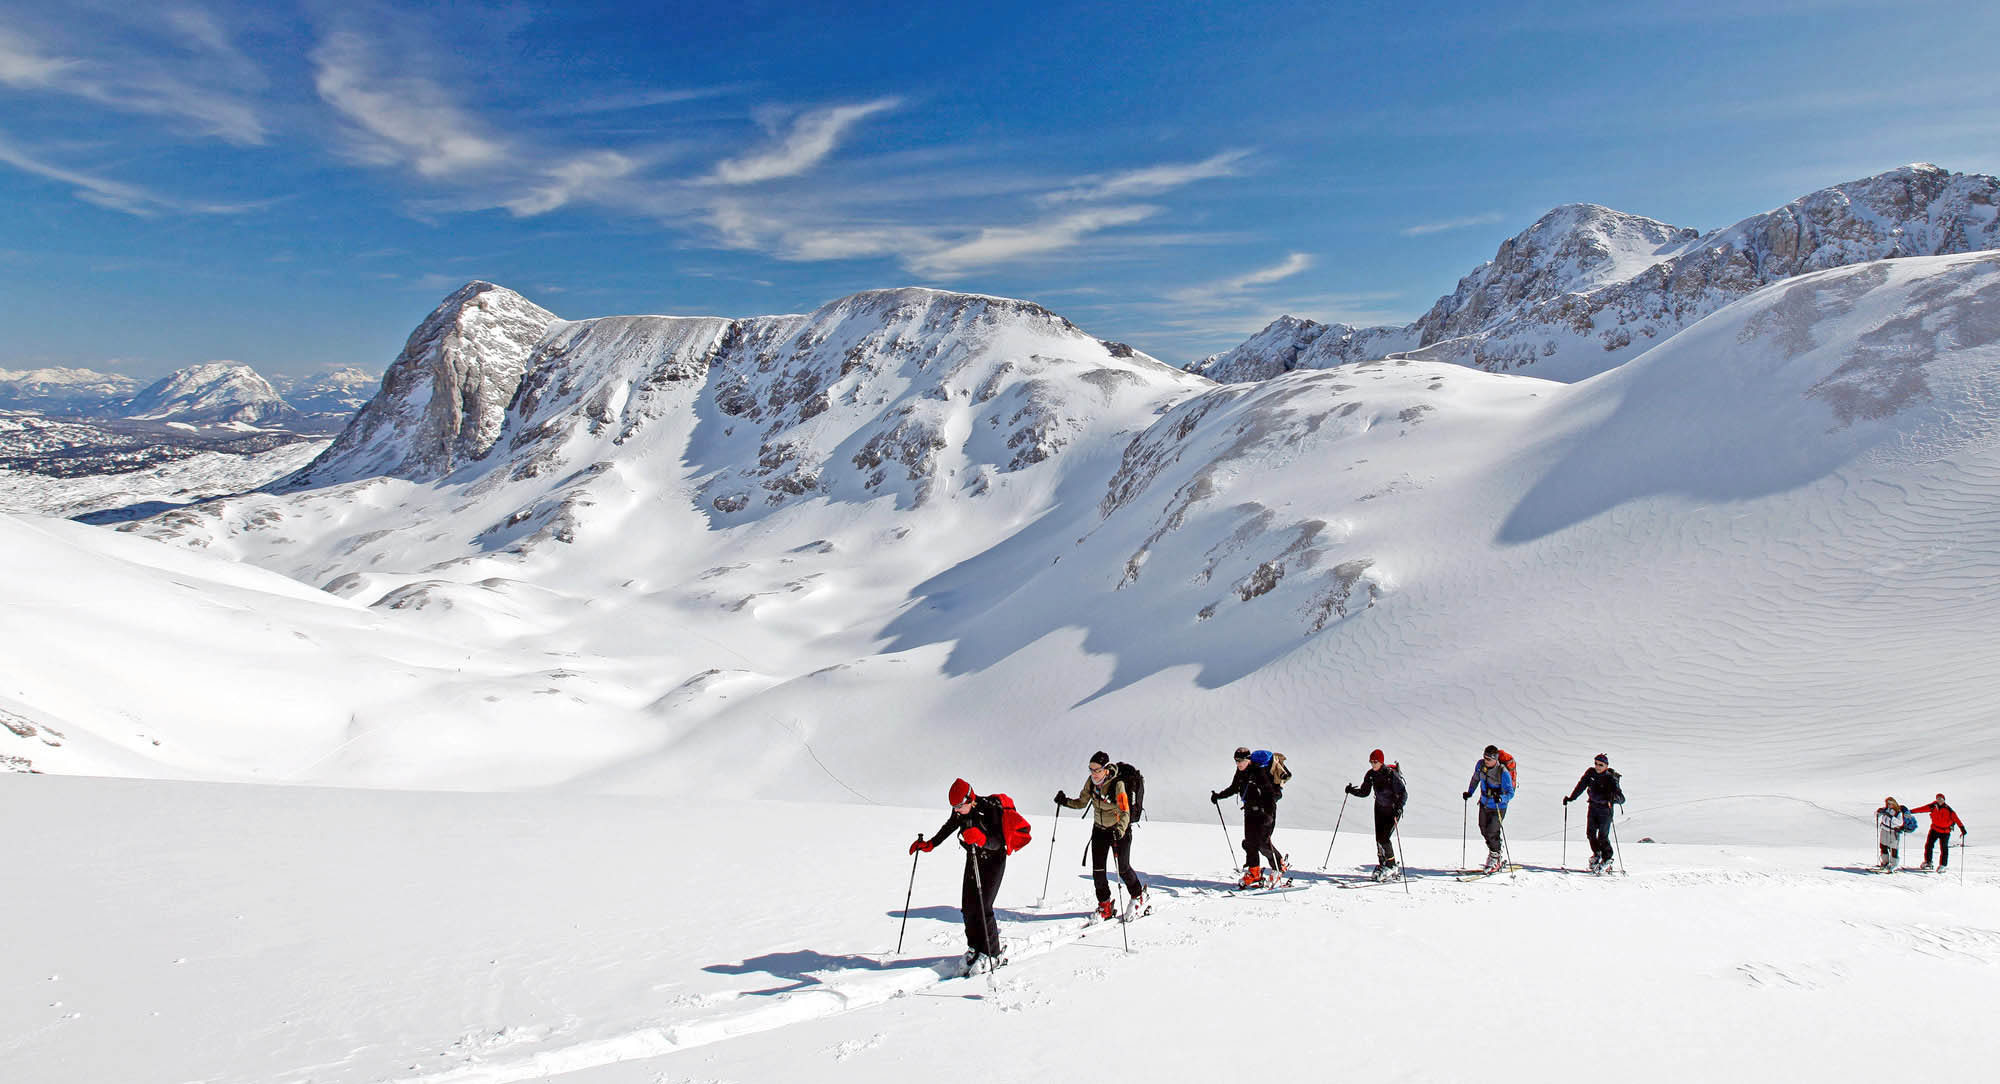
column 1507, row 761
column 1013, row 826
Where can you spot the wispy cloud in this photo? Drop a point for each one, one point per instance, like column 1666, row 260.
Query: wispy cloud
column 146, row 84
column 112, row 195
column 1003, row 244
column 1421, row 230
column 643, row 99
column 399, row 119
column 1230, row 292
column 811, row 138
column 1149, row 181
column 565, row 182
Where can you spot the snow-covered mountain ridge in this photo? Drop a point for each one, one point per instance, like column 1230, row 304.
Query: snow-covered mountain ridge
column 915, row 533
column 217, row 393
column 1586, row 288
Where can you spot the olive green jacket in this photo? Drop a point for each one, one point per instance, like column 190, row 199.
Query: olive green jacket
column 1109, row 806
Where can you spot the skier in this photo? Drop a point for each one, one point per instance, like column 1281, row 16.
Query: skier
column 1891, row 821
column 1385, row 782
column 1496, row 788
column 1605, row 792
column 1110, row 831
column 1260, row 794
column 1943, row 819
column 978, row 822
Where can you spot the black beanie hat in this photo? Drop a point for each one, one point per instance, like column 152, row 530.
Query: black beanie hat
column 1491, row 750
column 1100, row 759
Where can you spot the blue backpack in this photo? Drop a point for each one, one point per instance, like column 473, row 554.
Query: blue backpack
column 1909, row 822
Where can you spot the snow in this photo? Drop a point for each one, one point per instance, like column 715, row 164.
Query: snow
column 232, row 934
column 155, row 488
column 695, row 733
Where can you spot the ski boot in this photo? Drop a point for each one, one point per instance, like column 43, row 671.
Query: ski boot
column 1273, row 877
column 1104, row 911
column 1252, row 877
column 1927, row 868
column 1392, row 870
column 1493, row 864
column 1137, row 907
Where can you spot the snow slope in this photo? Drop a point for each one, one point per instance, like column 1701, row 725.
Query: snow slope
column 1754, row 561
column 236, row 934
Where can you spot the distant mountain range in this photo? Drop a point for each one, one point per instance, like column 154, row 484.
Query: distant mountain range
column 1587, row 288
column 216, row 393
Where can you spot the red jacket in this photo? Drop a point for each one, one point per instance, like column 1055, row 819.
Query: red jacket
column 1942, row 817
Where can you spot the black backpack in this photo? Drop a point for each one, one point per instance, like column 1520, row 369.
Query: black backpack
column 1135, row 788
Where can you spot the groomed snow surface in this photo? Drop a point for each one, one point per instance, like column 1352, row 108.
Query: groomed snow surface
column 235, row 934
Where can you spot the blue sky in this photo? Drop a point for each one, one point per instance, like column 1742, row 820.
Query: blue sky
column 296, row 186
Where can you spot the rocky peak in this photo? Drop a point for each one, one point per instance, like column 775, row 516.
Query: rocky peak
column 444, row 400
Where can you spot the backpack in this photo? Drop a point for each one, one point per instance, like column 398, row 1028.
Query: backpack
column 1135, row 789
column 1513, row 769
column 1909, row 822
column 1264, row 758
column 1396, row 773
column 1014, row 831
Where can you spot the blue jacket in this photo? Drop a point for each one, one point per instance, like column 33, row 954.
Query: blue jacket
column 1492, row 795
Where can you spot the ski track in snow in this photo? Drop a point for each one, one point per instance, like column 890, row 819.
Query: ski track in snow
column 1190, row 915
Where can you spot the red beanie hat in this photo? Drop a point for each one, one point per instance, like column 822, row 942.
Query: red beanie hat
column 1378, row 757
column 960, row 791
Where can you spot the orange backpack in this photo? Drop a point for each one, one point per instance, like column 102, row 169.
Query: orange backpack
column 1014, row 830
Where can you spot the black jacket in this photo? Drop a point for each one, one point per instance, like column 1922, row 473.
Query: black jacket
column 1386, row 783
column 1603, row 787
column 1260, row 792
column 985, row 816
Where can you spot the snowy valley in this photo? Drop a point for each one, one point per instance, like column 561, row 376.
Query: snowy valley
column 609, row 665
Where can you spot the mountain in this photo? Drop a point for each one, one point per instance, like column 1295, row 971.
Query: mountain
column 916, row 534
column 216, row 393
column 443, row 399
column 336, row 392
column 63, row 392
column 1586, row 288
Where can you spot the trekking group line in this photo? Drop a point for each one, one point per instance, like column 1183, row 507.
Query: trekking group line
column 990, row 829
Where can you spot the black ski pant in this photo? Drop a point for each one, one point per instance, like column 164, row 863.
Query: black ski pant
column 1258, row 824
column 1101, row 843
column 982, row 933
column 1385, row 829
column 1943, row 841
column 1597, row 828
column 1489, row 826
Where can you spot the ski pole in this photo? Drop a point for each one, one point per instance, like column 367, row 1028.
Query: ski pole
column 1506, row 848
column 1124, row 928
column 907, row 895
column 1336, row 834
column 1402, row 857
column 1225, row 838
column 1565, row 837
column 1050, row 866
column 991, row 935
column 1617, row 852
column 1961, row 856
column 1464, row 827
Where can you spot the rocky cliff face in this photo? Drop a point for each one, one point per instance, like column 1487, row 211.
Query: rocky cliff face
column 1587, row 288
column 444, row 399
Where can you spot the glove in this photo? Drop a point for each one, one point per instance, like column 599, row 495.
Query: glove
column 1351, row 790
column 1568, row 800
column 973, row 837
column 1214, row 796
column 1061, row 797
column 1118, row 833
column 1466, row 797
column 923, row 845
